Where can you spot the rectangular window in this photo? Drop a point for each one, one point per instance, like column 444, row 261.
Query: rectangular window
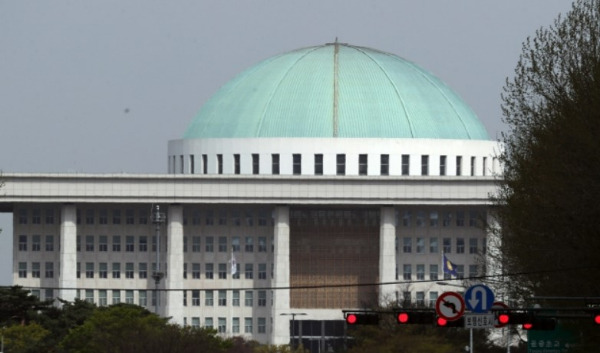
column 235, row 244
column 222, row 244
column 116, row 217
column 102, row 270
column 89, row 295
column 208, row 322
column 473, row 245
column 406, row 218
column 222, row 217
column 460, row 271
column 458, row 165
column 420, row 272
column 318, row 164
column 143, row 245
column 447, row 219
column 248, row 298
column 460, row 218
column 442, row 165
column 235, row 325
column 129, row 296
column 219, row 164
column 22, row 269
column 420, row 219
column 340, row 164
column 192, row 164
column 116, row 245
column 89, row 270
column 49, row 216
column 384, row 164
column 116, row 296
column 222, row 271
column 129, row 216
column 420, row 298
column 433, row 272
column 222, row 298
column 249, row 245
column 209, row 244
column 472, row 166
column 129, row 270
column 249, row 271
column 433, row 219
column 143, row 217
column 196, row 271
column 363, row 164
column 143, row 298
column 222, row 325
column 247, row 325
column 255, row 164
column 210, row 218
column 35, row 269
column 36, row 243
column 407, row 273
column 22, row 216
column 424, row 164
column 447, row 245
column 209, row 298
column 484, row 166
column 433, row 245
column 405, row 164
column 296, row 164
column 22, row 243
column 103, row 216
column 89, row 243
column 420, row 245
column 89, row 216
column 275, row 164
column 262, row 271
column 143, row 270
column 460, row 245
column 473, row 271
column 195, row 297
column 129, row 243
column 103, row 243
column 407, row 245
column 196, row 243
column 208, row 271
column 78, row 241
column 262, row 325
column 116, row 270
column 433, row 296
column 262, row 244
column 236, row 164
column 262, row 298
column 204, row 164
column 235, row 300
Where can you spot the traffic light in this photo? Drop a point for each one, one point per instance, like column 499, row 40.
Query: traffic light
column 442, row 322
column 527, row 319
column 415, row 317
column 596, row 317
column 362, row 319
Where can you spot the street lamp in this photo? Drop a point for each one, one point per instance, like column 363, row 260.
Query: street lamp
column 293, row 315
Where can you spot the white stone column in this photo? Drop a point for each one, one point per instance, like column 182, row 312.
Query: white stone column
column 387, row 255
column 174, row 280
column 67, row 278
column 281, row 277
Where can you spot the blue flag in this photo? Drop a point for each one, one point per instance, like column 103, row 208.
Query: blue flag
column 449, row 267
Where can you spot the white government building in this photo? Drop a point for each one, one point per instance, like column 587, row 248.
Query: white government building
column 333, row 176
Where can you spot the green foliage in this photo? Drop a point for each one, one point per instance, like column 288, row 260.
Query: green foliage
column 548, row 203
column 19, row 306
column 25, row 338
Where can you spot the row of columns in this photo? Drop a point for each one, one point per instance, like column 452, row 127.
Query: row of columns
column 173, row 305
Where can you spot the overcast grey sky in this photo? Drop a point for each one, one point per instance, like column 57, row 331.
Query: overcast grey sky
column 101, row 86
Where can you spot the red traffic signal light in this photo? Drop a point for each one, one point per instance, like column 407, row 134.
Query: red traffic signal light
column 596, row 317
column 503, row 318
column 527, row 319
column 415, row 317
column 442, row 322
column 362, row 319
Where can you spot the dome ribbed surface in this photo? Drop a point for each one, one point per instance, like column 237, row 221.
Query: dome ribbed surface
column 336, row 90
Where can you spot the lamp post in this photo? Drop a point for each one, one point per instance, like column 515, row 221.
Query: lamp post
column 293, row 315
column 470, row 330
column 158, row 219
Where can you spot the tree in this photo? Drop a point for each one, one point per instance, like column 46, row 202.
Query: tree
column 548, row 200
column 25, row 338
column 18, row 305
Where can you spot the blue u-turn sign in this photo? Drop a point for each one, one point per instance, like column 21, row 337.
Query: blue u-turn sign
column 479, row 298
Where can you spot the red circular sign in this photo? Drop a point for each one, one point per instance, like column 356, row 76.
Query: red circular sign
column 450, row 306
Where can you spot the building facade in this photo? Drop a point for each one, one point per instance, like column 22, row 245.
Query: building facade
column 327, row 178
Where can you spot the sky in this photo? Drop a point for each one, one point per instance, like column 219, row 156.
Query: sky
column 101, row 86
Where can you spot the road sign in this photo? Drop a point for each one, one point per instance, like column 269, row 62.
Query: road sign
column 479, row 298
column 479, row 320
column 450, row 306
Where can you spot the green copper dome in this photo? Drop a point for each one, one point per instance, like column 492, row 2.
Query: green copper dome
column 336, row 90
